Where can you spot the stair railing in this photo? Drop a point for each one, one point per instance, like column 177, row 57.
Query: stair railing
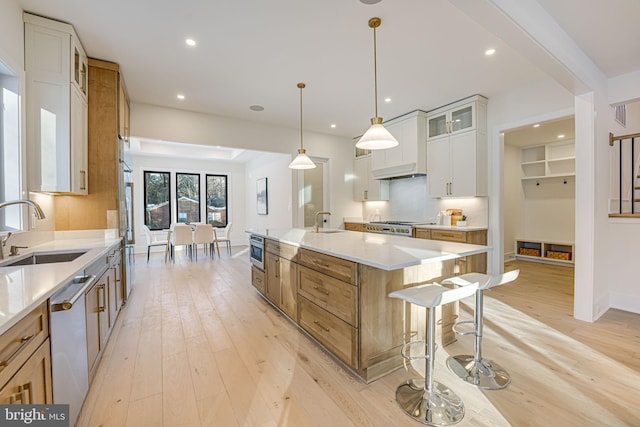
column 635, row 168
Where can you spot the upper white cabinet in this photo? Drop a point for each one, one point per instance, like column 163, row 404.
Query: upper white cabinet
column 365, row 188
column 409, row 157
column 56, row 84
column 457, row 149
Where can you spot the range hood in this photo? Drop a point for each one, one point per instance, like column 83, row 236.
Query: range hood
column 407, row 170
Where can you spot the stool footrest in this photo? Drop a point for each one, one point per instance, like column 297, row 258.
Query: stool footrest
column 455, row 326
column 405, row 351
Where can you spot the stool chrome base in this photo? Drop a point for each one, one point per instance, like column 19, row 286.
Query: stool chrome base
column 485, row 374
column 440, row 407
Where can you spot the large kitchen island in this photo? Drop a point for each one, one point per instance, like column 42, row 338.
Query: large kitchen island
column 334, row 285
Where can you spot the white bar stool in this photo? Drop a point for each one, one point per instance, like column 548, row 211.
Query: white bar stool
column 476, row 370
column 433, row 403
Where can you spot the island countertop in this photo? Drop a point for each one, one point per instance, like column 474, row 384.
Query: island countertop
column 383, row 251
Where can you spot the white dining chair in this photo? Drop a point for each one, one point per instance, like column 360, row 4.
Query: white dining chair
column 202, row 234
column 154, row 240
column 182, row 235
column 223, row 236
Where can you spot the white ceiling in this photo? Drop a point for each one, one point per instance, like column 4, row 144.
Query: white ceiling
column 255, row 52
column 544, row 133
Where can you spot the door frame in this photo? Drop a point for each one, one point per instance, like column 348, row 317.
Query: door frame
column 298, row 185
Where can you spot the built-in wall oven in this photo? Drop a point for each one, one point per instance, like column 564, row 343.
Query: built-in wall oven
column 256, row 251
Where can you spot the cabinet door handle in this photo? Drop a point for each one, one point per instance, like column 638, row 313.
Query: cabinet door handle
column 321, row 326
column 101, row 292
column 366, row 194
column 277, row 269
column 83, row 175
column 324, row 291
column 23, row 342
column 321, row 264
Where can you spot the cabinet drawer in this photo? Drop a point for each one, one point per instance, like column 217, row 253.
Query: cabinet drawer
column 422, row 233
column 337, row 336
column 32, row 382
column 21, row 340
column 334, row 267
column 336, row 297
column 450, row 236
column 353, row 226
column 258, row 280
column 281, row 249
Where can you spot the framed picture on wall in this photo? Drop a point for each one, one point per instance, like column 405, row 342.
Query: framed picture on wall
column 262, row 196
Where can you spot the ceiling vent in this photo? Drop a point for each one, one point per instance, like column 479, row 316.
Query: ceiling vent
column 621, row 114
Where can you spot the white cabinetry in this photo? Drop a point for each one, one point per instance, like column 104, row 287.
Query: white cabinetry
column 56, row 84
column 365, row 188
column 409, row 157
column 457, row 149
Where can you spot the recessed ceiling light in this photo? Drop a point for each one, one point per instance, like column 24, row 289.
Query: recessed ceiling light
column 537, row 125
column 333, row 125
column 561, row 136
column 190, row 42
column 180, row 97
column 489, row 52
column 256, row 108
column 387, row 100
column 370, row 1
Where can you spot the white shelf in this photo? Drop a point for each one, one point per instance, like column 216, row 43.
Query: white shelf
column 555, row 160
column 545, row 251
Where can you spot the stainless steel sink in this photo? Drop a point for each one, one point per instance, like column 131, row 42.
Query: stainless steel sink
column 45, row 258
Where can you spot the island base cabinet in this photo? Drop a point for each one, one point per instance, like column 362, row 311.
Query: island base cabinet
column 31, row 385
column 258, row 280
column 337, row 336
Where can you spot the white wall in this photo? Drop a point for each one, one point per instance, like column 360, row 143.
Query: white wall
column 168, row 124
column 12, row 36
column 274, row 167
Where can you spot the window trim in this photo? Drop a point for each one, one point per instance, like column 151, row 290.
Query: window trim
column 199, row 196
column 226, row 195
column 144, row 184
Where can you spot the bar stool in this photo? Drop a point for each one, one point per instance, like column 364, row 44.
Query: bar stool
column 433, row 403
column 476, row 370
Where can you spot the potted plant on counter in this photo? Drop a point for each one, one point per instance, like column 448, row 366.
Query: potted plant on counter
column 462, row 222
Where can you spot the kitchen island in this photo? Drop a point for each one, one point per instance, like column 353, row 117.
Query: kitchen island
column 334, row 285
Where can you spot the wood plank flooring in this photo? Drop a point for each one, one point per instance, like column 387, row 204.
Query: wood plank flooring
column 197, row 346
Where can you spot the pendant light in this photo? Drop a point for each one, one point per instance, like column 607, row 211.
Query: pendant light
column 376, row 137
column 302, row 161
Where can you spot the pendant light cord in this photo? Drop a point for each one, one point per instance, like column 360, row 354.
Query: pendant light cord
column 300, row 115
column 375, row 70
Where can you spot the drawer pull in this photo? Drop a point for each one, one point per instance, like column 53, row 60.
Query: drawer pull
column 258, row 280
column 101, row 301
column 321, row 264
column 321, row 326
column 324, row 291
column 23, row 342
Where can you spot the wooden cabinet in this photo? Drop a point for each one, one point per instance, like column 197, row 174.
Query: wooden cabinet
column 108, row 115
column 365, row 188
column 258, row 279
column 25, row 371
column 333, row 295
column 56, row 120
column 281, row 274
column 422, row 233
column 473, row 263
column 352, row 226
column 31, row 384
column 409, row 157
column 338, row 268
column 457, row 158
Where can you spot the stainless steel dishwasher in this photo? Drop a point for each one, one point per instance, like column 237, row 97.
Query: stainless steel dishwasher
column 70, row 373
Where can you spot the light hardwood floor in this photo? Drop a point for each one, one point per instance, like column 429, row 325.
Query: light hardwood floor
column 196, row 345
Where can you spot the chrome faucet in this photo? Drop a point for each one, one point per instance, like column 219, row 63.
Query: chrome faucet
column 37, row 210
column 317, row 215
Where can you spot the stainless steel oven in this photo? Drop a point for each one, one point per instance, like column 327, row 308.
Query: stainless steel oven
column 256, row 251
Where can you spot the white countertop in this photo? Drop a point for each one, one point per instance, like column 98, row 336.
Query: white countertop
column 428, row 226
column 384, row 251
column 23, row 288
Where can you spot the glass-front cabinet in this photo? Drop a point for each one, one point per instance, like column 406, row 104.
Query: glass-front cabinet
column 458, row 118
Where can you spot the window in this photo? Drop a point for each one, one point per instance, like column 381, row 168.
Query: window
column 188, row 194
column 217, row 214
column 11, row 216
column 157, row 200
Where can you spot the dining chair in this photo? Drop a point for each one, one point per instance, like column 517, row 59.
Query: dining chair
column 154, row 240
column 202, row 234
column 223, row 236
column 182, row 235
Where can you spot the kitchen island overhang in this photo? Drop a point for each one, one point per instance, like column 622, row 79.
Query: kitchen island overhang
column 335, row 285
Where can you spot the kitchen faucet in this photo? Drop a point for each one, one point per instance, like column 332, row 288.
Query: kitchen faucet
column 317, row 215
column 37, row 210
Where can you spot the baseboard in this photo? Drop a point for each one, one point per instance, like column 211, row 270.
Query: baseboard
column 509, row 256
column 624, row 302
